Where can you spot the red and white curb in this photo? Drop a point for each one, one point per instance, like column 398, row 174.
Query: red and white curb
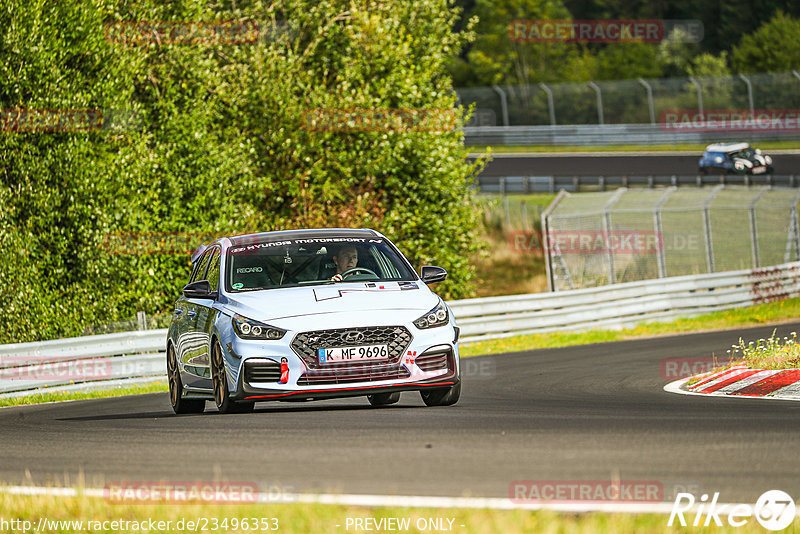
column 741, row 381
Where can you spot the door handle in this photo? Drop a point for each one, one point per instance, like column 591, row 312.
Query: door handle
column 192, row 313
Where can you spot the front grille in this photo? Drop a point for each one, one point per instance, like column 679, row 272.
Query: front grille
column 432, row 362
column 306, row 344
column 262, row 371
column 345, row 374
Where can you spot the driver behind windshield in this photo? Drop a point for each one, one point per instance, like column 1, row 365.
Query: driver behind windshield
column 345, row 259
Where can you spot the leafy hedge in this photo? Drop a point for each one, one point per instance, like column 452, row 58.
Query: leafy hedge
column 220, row 144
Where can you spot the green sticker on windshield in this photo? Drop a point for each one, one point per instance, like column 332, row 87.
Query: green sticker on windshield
column 238, row 285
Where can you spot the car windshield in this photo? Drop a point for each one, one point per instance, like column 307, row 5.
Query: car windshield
column 747, row 153
column 270, row 264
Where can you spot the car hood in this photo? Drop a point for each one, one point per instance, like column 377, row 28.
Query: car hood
column 276, row 304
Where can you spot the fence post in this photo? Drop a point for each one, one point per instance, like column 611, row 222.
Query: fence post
column 545, row 220
column 503, row 103
column 699, row 93
column 707, row 228
column 753, row 229
column 746, row 80
column 507, row 212
column 550, row 106
column 649, row 99
column 662, row 263
column 606, row 221
column 599, row 101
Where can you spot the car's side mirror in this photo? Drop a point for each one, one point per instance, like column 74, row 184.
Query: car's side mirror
column 431, row 274
column 199, row 290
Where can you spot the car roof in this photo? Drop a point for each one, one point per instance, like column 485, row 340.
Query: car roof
column 727, row 147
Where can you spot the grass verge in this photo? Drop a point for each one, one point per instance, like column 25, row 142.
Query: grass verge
column 738, row 317
column 772, row 145
column 313, row 518
column 79, row 395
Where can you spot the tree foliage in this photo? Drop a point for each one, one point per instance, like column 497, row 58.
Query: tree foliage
column 221, row 146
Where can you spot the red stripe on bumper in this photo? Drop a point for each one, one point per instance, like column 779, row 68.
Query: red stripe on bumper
column 729, row 381
column 770, row 384
column 307, row 391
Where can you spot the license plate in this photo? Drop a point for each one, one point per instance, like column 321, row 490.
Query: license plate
column 759, row 170
column 353, row 354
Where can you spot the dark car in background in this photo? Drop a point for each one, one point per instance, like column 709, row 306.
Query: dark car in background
column 734, row 158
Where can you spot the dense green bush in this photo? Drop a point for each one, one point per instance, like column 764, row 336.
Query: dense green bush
column 221, row 146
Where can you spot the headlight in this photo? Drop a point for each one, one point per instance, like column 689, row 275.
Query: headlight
column 249, row 329
column 768, row 160
column 738, row 166
column 436, row 317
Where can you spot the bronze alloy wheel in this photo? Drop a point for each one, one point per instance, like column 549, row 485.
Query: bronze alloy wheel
column 219, row 380
column 179, row 404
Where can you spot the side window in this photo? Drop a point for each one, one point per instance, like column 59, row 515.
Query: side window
column 200, row 273
column 213, row 270
column 195, row 269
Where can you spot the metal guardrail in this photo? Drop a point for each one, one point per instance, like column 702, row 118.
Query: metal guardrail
column 609, row 134
column 553, row 184
column 122, row 356
column 621, row 305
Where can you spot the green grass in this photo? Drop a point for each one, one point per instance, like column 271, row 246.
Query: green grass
column 766, row 146
column 55, row 397
column 319, row 518
column 739, row 317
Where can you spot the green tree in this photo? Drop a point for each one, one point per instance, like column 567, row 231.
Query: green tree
column 224, row 146
column 774, row 47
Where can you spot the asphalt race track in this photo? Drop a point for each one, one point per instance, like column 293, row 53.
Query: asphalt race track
column 615, row 164
column 594, row 412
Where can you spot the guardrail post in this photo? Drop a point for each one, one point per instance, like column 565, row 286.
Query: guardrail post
column 507, row 212
column 503, row 103
column 601, row 183
column 525, row 184
column 791, row 180
column 552, row 184
column 141, row 319
column 649, row 99
column 550, row 106
column 650, row 184
column 599, row 101
column 576, row 183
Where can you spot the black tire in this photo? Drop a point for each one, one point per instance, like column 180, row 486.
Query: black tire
column 441, row 397
column 219, row 380
column 179, row 404
column 384, row 399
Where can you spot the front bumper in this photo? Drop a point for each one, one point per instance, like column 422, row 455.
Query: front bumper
column 430, row 361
